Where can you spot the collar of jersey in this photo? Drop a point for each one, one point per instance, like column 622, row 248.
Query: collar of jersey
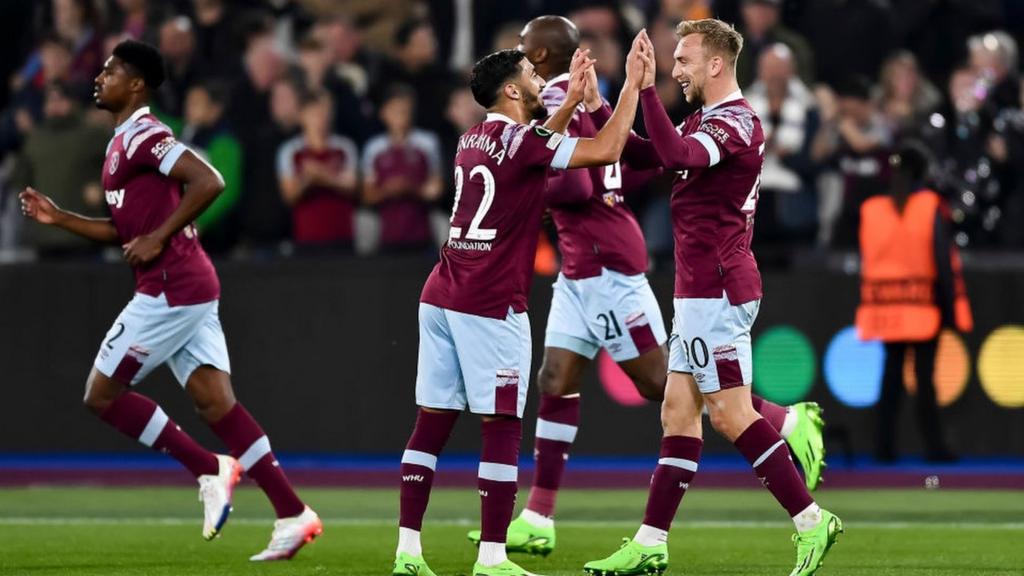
column 561, row 77
column 734, row 96
column 131, row 119
column 496, row 117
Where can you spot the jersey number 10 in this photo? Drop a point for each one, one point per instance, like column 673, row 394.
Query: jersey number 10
column 475, row 232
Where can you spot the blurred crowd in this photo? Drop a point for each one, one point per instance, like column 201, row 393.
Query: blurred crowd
column 335, row 123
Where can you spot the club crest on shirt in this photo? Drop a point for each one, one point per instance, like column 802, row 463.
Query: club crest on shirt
column 115, row 159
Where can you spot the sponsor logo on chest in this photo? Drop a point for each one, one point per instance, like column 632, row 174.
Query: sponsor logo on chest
column 115, row 198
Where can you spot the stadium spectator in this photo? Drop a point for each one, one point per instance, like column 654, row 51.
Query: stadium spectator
column 907, row 99
column 207, row 133
column 315, row 61
column 911, row 287
column 461, row 114
column 134, row 19
column 761, row 27
column 264, row 217
column 787, row 207
column 994, row 58
column 78, row 23
column 415, row 64
column 402, row 174
column 177, row 43
column 858, row 143
column 317, row 175
column 26, row 108
column 63, row 157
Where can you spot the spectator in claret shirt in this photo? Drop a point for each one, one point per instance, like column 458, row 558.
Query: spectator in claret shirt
column 317, row 174
column 402, row 174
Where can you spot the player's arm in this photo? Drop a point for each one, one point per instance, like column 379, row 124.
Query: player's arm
column 606, row 147
column 202, row 186
column 639, row 152
column 43, row 210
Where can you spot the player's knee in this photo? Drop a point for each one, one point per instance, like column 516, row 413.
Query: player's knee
column 551, row 380
column 728, row 423
column 678, row 419
column 98, row 397
column 211, row 394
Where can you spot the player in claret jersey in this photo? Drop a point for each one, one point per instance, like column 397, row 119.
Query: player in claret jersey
column 602, row 298
column 173, row 317
column 474, row 332
column 718, row 152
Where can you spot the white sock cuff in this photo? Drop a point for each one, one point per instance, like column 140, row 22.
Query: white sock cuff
column 650, row 536
column 409, row 542
column 254, row 453
column 556, row 431
column 154, row 427
column 789, row 423
column 498, row 472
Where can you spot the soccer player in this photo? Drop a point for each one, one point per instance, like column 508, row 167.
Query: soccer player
column 474, row 332
column 173, row 317
column 602, row 298
column 718, row 152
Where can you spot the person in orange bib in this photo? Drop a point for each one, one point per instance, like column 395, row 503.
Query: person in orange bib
column 911, row 287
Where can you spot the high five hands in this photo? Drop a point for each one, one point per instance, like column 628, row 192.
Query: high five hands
column 640, row 64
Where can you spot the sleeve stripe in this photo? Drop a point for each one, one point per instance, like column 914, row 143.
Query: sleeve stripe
column 141, row 137
column 171, row 157
column 564, row 153
column 710, row 146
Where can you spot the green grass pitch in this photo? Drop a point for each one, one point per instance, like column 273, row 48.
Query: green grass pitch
column 156, row 531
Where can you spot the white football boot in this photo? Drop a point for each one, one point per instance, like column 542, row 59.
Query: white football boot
column 291, row 534
column 215, row 491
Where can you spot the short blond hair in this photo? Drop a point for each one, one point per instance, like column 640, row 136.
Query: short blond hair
column 718, row 38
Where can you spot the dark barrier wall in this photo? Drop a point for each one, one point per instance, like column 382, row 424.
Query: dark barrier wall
column 324, row 353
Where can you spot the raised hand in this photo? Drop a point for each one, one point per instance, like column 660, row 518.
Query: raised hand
column 38, row 206
column 635, row 66
column 650, row 68
column 591, row 95
column 578, row 69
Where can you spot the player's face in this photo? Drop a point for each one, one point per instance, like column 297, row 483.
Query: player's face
column 530, row 85
column 691, row 66
column 111, row 86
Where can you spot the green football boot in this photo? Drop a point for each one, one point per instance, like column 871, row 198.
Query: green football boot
column 506, row 568
column 806, row 443
column 524, row 537
column 409, row 565
column 632, row 558
column 814, row 544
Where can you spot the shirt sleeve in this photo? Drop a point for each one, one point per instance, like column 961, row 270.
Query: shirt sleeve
column 675, row 152
column 725, row 132
column 639, row 153
column 154, row 146
column 538, row 146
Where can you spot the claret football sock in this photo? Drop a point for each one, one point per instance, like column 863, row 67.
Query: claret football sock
column 418, row 464
column 766, row 451
column 496, row 480
column 137, row 416
column 771, row 412
column 246, row 440
column 677, row 465
column 557, row 422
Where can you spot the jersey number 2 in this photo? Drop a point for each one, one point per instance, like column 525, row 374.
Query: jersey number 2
column 475, row 232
